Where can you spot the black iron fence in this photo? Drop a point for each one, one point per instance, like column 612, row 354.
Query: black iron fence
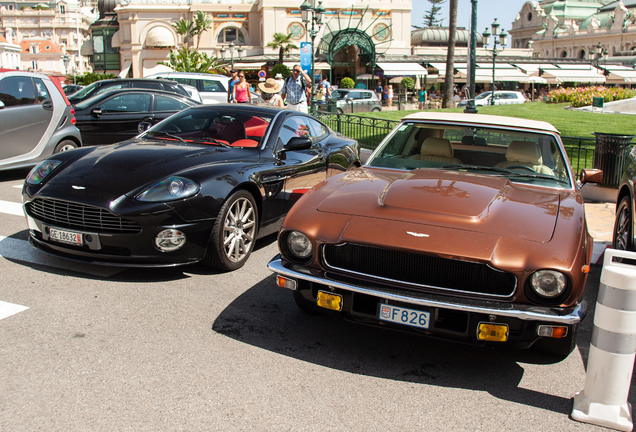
column 369, row 132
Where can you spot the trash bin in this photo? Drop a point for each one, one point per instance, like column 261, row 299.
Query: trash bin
column 611, row 153
column 332, row 106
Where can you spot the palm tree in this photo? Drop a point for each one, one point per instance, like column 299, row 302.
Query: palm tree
column 449, row 86
column 283, row 44
column 202, row 23
column 185, row 28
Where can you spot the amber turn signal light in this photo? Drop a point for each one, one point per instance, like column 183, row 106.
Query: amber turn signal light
column 492, row 332
column 328, row 300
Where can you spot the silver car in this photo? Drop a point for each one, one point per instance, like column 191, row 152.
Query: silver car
column 501, row 98
column 36, row 119
column 355, row 100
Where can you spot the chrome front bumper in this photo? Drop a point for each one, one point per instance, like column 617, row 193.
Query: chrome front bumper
column 519, row 311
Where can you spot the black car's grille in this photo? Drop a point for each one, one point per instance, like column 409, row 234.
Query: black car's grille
column 420, row 270
column 66, row 214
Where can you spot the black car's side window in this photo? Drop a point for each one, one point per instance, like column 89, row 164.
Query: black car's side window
column 127, row 103
column 318, row 130
column 16, row 91
column 148, row 85
column 166, row 103
column 109, row 87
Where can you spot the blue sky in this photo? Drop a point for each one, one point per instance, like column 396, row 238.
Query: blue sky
column 487, row 10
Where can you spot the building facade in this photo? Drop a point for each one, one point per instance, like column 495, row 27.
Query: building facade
column 65, row 23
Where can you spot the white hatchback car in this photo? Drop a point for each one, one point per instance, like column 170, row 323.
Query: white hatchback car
column 501, row 98
column 211, row 87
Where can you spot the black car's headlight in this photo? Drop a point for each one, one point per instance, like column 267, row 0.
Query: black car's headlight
column 298, row 246
column 41, row 171
column 170, row 189
column 548, row 283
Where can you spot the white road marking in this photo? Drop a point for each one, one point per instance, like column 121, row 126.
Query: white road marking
column 8, row 309
column 21, row 250
column 11, row 208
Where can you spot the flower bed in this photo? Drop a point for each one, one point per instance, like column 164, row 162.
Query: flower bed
column 582, row 96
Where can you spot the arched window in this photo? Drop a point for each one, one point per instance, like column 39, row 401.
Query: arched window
column 231, row 34
column 582, row 54
column 564, row 53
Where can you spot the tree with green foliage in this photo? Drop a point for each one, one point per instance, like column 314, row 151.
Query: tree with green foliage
column 202, row 23
column 89, row 78
column 431, row 19
column 186, row 60
column 283, row 43
column 347, row 83
column 281, row 69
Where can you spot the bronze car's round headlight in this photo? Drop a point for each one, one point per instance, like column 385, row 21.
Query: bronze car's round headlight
column 548, row 283
column 299, row 245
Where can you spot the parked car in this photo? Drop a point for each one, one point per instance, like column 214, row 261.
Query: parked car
column 501, row 98
column 202, row 185
column 355, row 100
column 212, row 87
column 115, row 115
column 36, row 119
column 102, row 86
column 69, row 89
column 460, row 226
column 625, row 225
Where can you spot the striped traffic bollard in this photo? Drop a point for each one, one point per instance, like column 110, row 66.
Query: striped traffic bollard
column 603, row 402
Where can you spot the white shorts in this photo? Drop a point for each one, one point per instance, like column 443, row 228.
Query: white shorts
column 301, row 107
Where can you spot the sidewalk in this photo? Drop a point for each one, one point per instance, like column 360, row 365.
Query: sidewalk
column 600, row 224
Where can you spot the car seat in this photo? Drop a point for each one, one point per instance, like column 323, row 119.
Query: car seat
column 229, row 130
column 525, row 153
column 436, row 150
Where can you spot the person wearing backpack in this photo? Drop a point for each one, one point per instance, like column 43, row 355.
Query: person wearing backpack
column 295, row 90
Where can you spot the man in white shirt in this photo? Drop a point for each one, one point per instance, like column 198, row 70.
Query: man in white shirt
column 295, row 90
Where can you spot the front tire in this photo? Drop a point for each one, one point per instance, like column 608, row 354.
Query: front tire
column 65, row 145
column 622, row 238
column 234, row 233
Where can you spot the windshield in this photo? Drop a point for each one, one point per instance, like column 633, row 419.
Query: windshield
column 215, row 126
column 81, row 94
column 483, row 95
column 519, row 155
column 339, row 94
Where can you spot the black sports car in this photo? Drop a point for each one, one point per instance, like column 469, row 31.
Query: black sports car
column 115, row 115
column 202, row 185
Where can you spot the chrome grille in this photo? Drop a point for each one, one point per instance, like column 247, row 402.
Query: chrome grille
column 82, row 217
column 419, row 270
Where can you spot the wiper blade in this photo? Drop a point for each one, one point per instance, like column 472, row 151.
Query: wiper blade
column 541, row 176
column 210, row 140
column 476, row 168
column 166, row 134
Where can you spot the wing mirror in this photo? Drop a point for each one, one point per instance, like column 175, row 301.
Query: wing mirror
column 297, row 143
column 143, row 126
column 591, row 176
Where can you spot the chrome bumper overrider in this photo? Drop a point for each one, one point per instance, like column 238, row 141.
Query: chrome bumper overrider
column 523, row 312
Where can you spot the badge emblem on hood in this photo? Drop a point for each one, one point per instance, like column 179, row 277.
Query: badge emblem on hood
column 414, row 234
column 78, row 187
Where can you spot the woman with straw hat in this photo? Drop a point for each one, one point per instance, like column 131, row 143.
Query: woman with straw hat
column 270, row 93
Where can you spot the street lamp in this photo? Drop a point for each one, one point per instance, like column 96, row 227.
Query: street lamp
column 600, row 52
column 66, row 60
column 231, row 49
column 316, row 23
column 503, row 39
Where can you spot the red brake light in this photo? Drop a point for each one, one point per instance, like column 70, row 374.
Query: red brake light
column 73, row 120
column 72, row 110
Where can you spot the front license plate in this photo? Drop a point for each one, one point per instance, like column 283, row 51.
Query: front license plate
column 66, row 236
column 400, row 315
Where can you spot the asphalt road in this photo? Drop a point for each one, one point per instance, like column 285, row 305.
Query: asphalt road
column 186, row 349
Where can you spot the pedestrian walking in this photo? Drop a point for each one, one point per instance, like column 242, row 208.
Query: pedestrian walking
column 270, row 93
column 422, row 98
column 241, row 90
column 233, row 80
column 295, row 90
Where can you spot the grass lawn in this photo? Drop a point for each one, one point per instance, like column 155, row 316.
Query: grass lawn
column 568, row 122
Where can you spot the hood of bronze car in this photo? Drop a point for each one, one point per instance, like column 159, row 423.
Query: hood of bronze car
column 451, row 199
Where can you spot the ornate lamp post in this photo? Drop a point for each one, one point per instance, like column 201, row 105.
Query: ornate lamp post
column 316, row 23
column 600, row 53
column 66, row 60
column 231, row 49
column 470, row 105
column 503, row 39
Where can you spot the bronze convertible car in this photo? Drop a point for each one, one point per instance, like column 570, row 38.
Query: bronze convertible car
column 460, row 226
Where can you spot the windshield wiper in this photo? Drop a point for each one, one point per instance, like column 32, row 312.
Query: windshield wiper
column 166, row 134
column 541, row 176
column 505, row 172
column 210, row 140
